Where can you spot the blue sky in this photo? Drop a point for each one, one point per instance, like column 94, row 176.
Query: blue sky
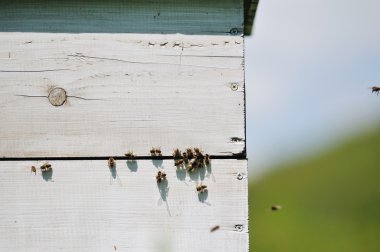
column 309, row 66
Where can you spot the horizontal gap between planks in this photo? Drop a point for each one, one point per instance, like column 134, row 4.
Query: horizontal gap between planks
column 235, row 156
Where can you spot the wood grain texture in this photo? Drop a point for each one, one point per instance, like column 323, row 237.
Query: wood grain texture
column 124, row 92
column 82, row 206
column 212, row 17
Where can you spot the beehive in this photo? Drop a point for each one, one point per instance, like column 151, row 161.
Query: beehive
column 82, row 81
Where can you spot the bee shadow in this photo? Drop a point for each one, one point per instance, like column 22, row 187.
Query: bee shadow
column 202, row 173
column 209, row 172
column 114, row 175
column 163, row 188
column 202, row 196
column 181, row 173
column 47, row 175
column 157, row 163
column 132, row 165
column 194, row 175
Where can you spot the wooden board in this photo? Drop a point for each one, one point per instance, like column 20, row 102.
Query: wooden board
column 213, row 17
column 83, row 206
column 124, row 92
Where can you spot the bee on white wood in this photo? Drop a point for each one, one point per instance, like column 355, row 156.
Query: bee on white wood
column 111, row 162
column 177, row 154
column 45, row 167
column 207, row 159
column 161, row 175
column 201, row 188
column 130, row 155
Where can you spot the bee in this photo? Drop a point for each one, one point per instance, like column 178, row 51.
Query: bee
column 197, row 151
column 192, row 165
column 207, row 159
column 201, row 188
column 177, row 154
column 161, row 175
column 375, row 90
column 33, row 169
column 45, row 167
column 214, row 228
column 190, row 154
column 185, row 158
column 130, row 155
column 158, row 151
column 276, row 207
column 111, row 162
column 153, row 152
column 178, row 162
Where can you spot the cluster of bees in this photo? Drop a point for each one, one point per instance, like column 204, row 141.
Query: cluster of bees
column 44, row 168
column 156, row 152
column 191, row 159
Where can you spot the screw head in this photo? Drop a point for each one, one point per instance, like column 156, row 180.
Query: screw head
column 234, row 31
column 239, row 228
column 234, row 86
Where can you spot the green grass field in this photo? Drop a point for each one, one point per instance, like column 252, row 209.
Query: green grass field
column 330, row 203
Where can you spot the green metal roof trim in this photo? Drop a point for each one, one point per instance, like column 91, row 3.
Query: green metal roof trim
column 250, row 7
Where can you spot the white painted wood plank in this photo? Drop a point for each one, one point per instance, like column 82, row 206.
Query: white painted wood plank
column 213, row 17
column 125, row 92
column 83, row 207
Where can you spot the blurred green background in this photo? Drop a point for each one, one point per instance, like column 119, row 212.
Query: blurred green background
column 313, row 126
column 331, row 202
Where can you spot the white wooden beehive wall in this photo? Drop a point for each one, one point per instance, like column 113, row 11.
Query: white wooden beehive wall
column 126, row 90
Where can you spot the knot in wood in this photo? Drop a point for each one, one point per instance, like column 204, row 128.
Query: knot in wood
column 57, row 96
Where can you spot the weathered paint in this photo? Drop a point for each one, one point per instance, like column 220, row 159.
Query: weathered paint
column 124, row 92
column 83, row 206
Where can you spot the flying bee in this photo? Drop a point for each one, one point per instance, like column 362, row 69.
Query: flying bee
column 33, row 169
column 214, row 228
column 190, row 154
column 111, row 162
column 153, row 152
column 276, row 207
column 207, row 159
column 201, row 188
column 177, row 154
column 130, row 155
column 45, row 167
column 178, row 162
column 375, row 90
column 161, row 175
